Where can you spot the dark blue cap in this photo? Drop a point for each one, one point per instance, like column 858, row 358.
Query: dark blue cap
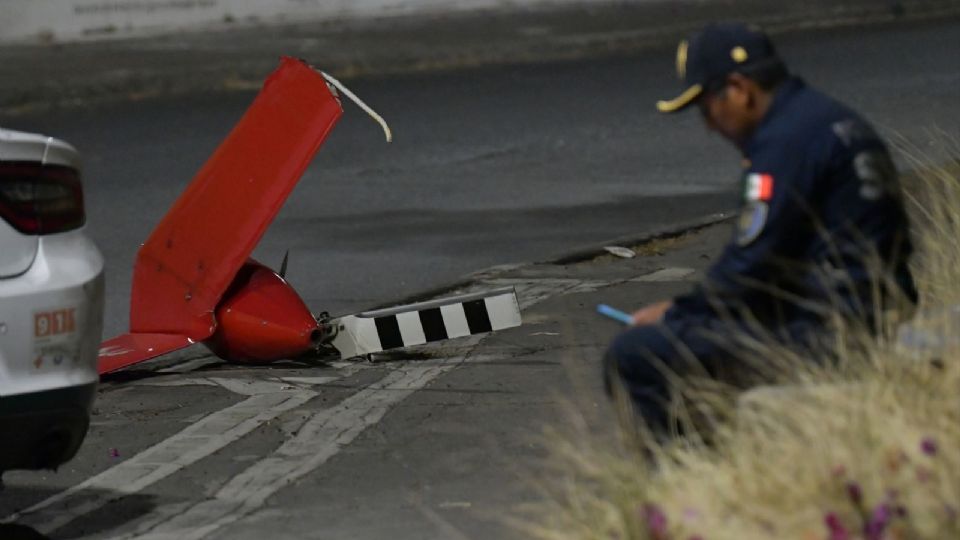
column 705, row 60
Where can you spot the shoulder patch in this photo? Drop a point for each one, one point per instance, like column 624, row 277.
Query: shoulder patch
column 753, row 218
column 852, row 131
column 759, row 187
column 877, row 174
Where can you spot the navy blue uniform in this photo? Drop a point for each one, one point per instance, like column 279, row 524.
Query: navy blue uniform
column 822, row 228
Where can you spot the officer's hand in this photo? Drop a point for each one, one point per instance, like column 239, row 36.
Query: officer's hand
column 651, row 314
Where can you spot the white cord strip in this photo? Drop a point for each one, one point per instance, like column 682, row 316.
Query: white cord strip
column 359, row 102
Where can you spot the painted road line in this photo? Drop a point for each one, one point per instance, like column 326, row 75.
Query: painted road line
column 320, row 438
column 187, row 447
column 250, row 387
column 173, row 383
column 310, row 381
column 531, row 292
column 267, row 400
column 192, row 365
column 665, row 274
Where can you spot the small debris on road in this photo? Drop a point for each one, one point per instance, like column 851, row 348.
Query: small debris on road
column 455, row 504
column 620, row 251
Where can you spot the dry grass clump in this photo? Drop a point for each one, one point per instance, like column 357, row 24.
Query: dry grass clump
column 866, row 446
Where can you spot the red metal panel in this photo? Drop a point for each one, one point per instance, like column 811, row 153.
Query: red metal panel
column 129, row 349
column 192, row 256
column 262, row 319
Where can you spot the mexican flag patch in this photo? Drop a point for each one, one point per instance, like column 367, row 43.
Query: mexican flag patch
column 759, row 187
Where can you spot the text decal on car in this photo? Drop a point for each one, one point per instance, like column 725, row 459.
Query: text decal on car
column 54, row 323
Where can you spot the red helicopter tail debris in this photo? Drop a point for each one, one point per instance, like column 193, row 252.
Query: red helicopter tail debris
column 128, row 349
column 193, row 255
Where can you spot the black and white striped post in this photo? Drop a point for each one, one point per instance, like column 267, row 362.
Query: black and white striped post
column 426, row 322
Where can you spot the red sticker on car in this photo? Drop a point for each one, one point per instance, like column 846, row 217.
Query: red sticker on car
column 54, row 323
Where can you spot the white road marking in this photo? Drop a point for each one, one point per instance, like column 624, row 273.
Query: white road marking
column 246, row 386
column 309, row 381
column 176, row 382
column 448, row 530
column 194, row 443
column 344, row 364
column 531, row 292
column 250, row 387
column 320, row 438
column 455, row 504
column 665, row 274
column 191, row 365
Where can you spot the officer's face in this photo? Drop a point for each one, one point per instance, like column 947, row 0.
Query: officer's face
column 729, row 110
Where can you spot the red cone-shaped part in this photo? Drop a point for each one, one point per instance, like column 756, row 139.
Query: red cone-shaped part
column 262, row 319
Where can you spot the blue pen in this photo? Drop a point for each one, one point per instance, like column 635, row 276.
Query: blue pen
column 615, row 314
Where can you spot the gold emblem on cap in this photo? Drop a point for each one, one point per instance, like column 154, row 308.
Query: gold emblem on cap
column 682, row 59
column 739, row 55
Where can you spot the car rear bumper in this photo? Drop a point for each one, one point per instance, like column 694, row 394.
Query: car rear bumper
column 43, row 430
column 51, row 318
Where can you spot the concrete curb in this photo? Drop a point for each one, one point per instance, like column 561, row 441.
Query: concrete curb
column 592, row 251
column 575, row 256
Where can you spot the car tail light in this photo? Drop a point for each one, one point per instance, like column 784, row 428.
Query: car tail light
column 40, row 199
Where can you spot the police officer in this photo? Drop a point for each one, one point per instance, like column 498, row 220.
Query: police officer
column 822, row 229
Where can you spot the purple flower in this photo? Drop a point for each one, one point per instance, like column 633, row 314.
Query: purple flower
column 929, row 446
column 878, row 522
column 836, row 528
column 656, row 521
column 855, row 492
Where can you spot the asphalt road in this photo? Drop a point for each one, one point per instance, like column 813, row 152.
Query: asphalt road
column 489, row 167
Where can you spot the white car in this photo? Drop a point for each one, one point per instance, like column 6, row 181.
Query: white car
column 51, row 304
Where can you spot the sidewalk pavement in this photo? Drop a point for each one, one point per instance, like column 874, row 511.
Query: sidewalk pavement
column 43, row 76
column 554, row 357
